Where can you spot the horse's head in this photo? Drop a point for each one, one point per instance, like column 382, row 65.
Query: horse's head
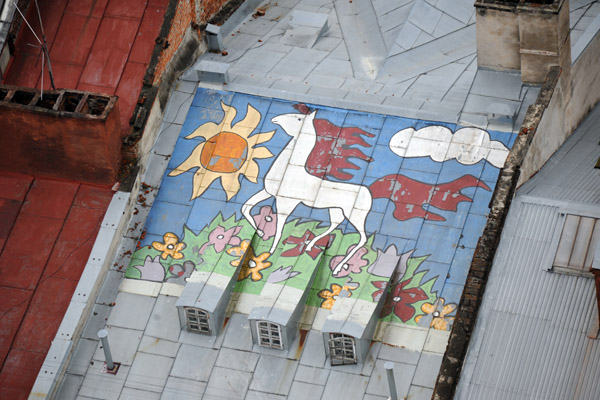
column 292, row 124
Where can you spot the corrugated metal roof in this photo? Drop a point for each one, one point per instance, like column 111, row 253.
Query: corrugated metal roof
column 570, row 173
column 531, row 341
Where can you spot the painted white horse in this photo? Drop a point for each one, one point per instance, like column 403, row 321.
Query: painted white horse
column 290, row 184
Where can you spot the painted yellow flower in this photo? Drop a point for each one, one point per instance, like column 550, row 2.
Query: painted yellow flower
column 227, row 152
column 439, row 312
column 330, row 295
column 170, row 246
column 238, row 251
column 254, row 266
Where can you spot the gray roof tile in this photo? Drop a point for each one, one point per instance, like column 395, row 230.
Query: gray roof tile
column 131, row 311
column 258, row 26
column 328, row 44
column 424, row 16
column 446, row 25
column 236, row 359
column 238, row 335
column 161, row 347
column 136, row 394
column 399, row 354
column 317, row 376
column 423, row 38
column 96, row 321
column 177, row 107
column 321, row 80
column 113, row 278
column 164, row 320
column 187, row 366
column 427, row 369
column 273, row 375
column 340, row 53
column 385, row 6
column 301, row 391
column 462, row 10
column 378, row 384
column 335, row 67
column 227, row 384
column 313, row 353
column 82, row 356
column 299, row 87
column 291, row 70
column 254, row 395
column 123, row 345
column 149, row 372
column 419, row 393
column 69, row 388
column 498, row 84
column 408, row 35
column 183, row 389
column 103, row 386
column 342, row 385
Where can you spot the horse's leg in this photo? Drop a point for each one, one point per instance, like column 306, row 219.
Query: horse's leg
column 357, row 219
column 336, row 217
column 285, row 206
column 247, row 207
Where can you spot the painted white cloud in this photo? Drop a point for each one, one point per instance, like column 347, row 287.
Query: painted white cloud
column 467, row 145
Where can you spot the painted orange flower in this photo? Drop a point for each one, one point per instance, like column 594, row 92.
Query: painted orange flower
column 171, row 246
column 255, row 263
column 439, row 312
column 254, row 266
column 239, row 252
column 330, row 295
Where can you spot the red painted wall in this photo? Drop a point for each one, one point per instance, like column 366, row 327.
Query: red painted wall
column 66, row 145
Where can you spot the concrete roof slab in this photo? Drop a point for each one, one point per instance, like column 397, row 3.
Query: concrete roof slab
column 345, row 386
column 149, row 372
column 236, row 359
column 194, row 362
column 273, row 375
column 183, row 389
column 123, row 345
column 131, row 311
column 227, row 384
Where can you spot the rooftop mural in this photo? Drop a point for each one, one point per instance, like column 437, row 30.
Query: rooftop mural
column 284, row 188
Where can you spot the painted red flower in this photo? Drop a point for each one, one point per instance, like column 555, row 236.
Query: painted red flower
column 303, row 241
column 400, row 301
column 381, row 285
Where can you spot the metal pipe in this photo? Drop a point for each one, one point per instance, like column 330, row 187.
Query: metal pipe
column 103, row 335
column 389, row 368
column 45, row 48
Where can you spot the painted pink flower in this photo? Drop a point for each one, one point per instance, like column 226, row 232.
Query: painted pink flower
column 266, row 221
column 354, row 264
column 220, row 238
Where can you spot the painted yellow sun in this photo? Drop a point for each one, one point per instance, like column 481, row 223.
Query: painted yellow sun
column 227, row 152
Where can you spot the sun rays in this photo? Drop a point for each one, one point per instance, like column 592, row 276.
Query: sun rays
column 226, row 153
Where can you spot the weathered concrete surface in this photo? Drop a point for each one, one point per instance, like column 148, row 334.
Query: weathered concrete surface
column 544, row 38
column 498, row 35
column 523, row 35
column 574, row 97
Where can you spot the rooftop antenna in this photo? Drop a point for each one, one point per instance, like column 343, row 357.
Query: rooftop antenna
column 42, row 44
column 45, row 47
